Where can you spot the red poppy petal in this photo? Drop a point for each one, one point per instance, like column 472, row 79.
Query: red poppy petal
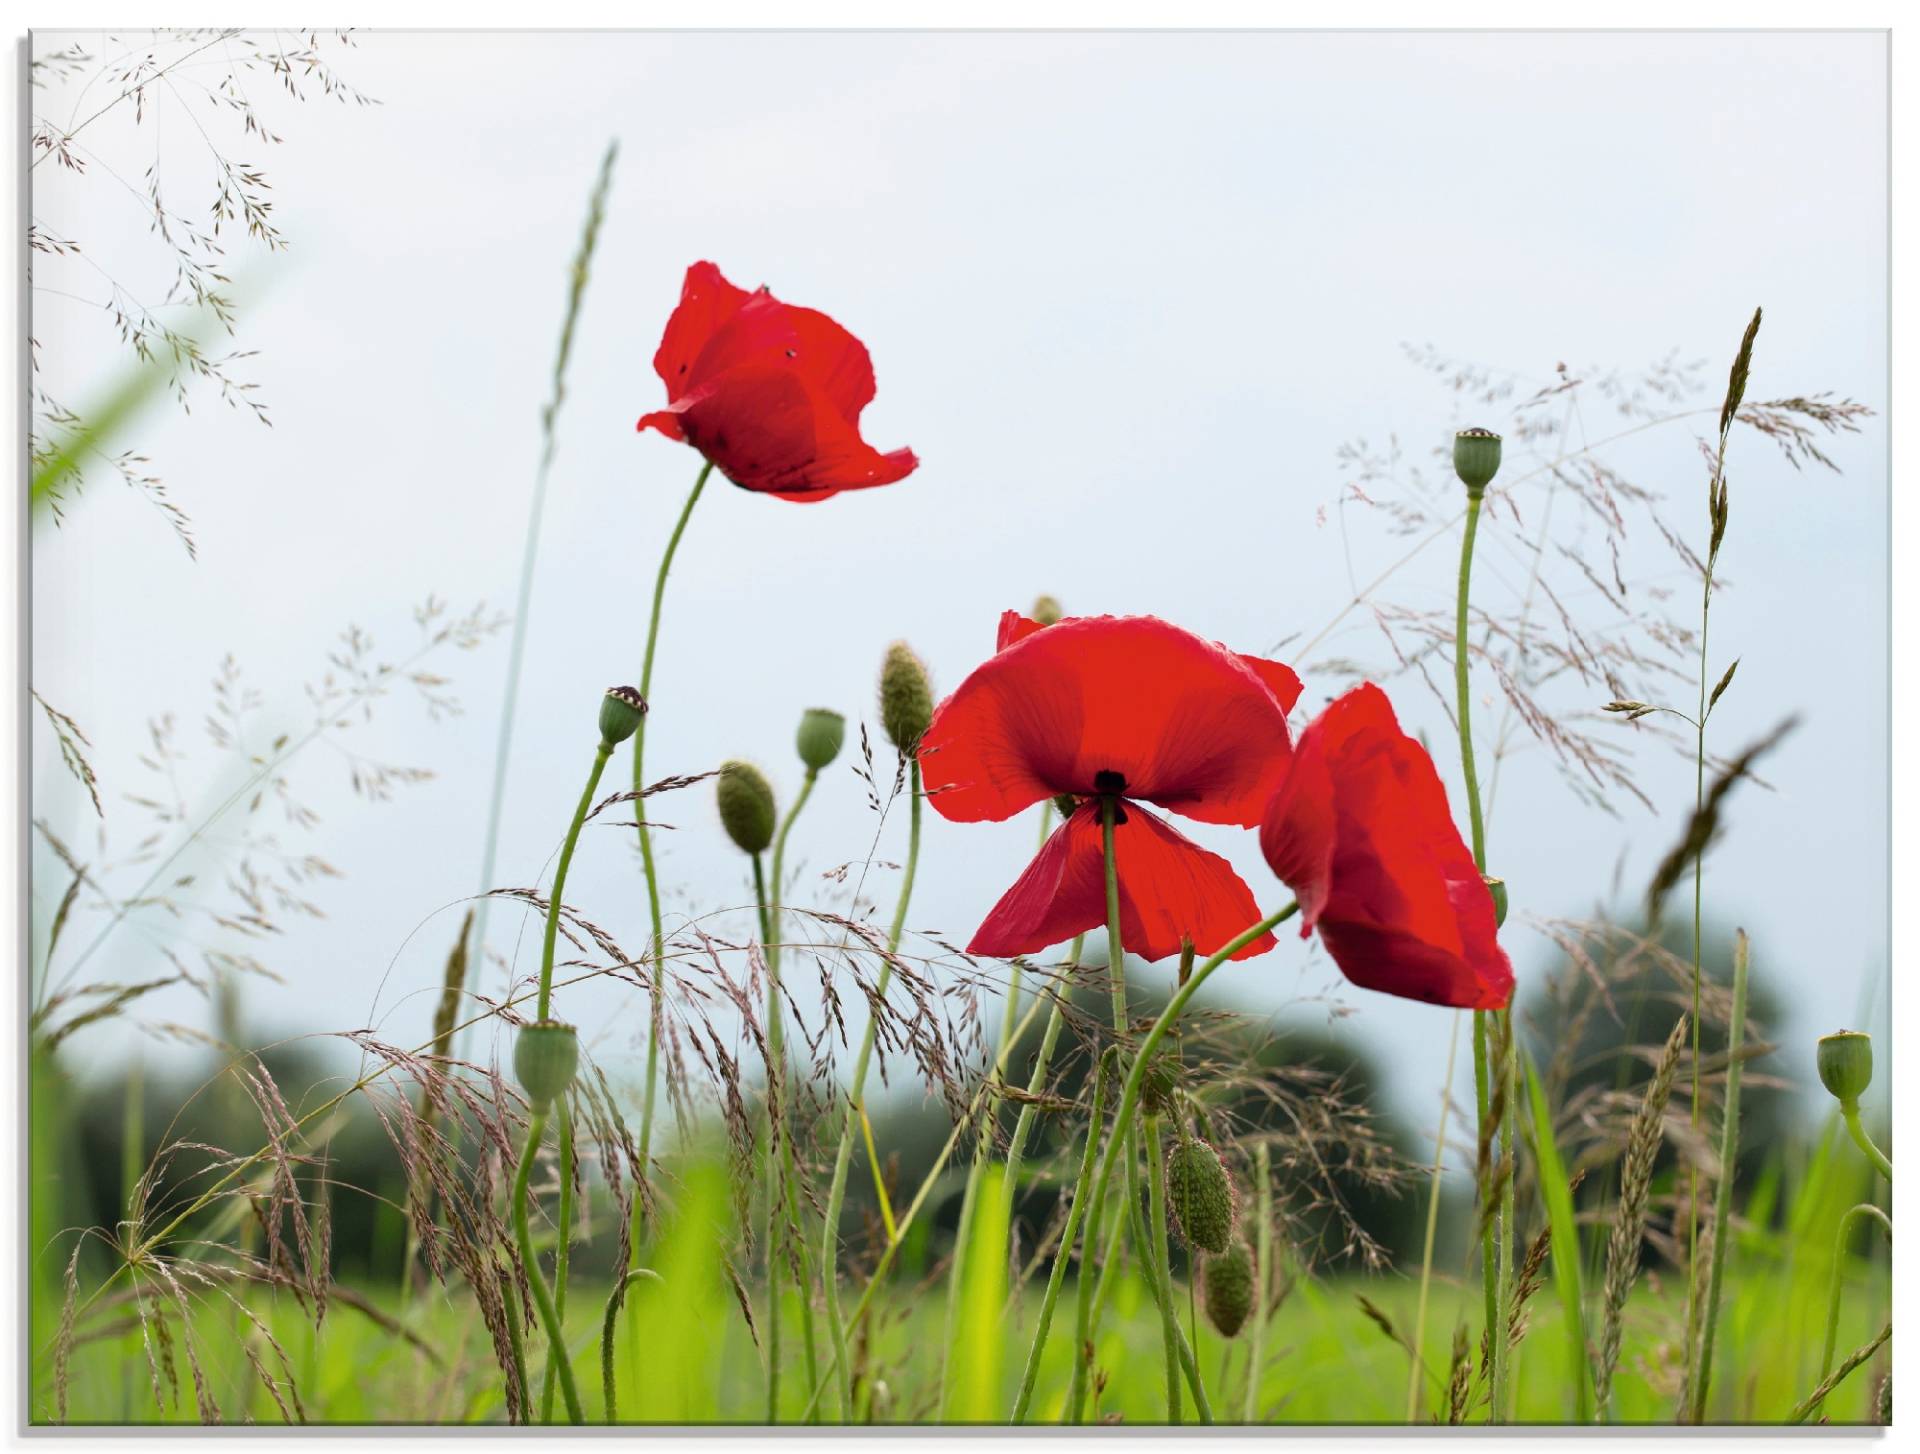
column 1183, row 722
column 1171, row 890
column 1014, row 627
column 1062, row 893
column 707, row 302
column 769, row 429
column 1281, row 680
column 836, row 361
column 1362, row 832
column 667, row 421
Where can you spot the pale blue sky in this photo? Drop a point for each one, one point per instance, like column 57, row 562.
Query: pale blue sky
column 1126, row 296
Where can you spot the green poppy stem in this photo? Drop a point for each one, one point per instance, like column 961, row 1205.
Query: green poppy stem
column 657, row 948
column 836, row 1194
column 544, row 1003
column 1845, row 1234
column 1850, row 1112
column 563, row 1244
column 1495, row 1254
column 542, row 1296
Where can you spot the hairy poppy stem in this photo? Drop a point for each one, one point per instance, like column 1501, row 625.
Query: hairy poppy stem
column 563, row 1244
column 542, row 1297
column 780, row 1162
column 1094, row 1197
column 983, row 1149
column 1157, row 1268
column 1853, row 1214
column 1494, row 1252
column 836, row 1194
column 658, row 946
column 544, row 1003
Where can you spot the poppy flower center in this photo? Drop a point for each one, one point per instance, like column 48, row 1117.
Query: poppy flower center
column 1108, row 781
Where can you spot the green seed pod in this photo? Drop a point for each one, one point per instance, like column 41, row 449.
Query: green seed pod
column 1846, row 1064
column 545, row 1056
column 906, row 697
column 1498, row 888
column 1228, row 1280
column 1476, row 458
column 1157, row 1087
column 621, row 710
column 1200, row 1195
column 746, row 805
column 819, row 738
column 1046, row 610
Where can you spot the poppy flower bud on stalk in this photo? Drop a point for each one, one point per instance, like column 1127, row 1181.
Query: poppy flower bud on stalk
column 1200, row 1194
column 1046, row 610
column 621, row 711
column 820, row 736
column 746, row 805
column 1846, row 1065
column 906, row 697
column 1229, row 1283
column 1476, row 458
column 545, row 1056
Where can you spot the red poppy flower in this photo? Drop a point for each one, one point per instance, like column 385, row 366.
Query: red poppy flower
column 1361, row 832
column 1127, row 707
column 769, row 392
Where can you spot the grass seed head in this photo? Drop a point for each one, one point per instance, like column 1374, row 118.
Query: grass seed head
column 746, row 805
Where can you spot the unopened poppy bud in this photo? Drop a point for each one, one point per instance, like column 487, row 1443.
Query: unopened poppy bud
column 1200, row 1195
column 906, row 697
column 1064, row 804
column 1229, row 1283
column 821, row 733
column 746, row 805
column 1046, row 610
column 1476, row 458
column 545, row 1056
column 1846, row 1065
column 1498, row 888
column 621, row 711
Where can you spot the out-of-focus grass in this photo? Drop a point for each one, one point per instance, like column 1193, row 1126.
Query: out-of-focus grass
column 1327, row 1362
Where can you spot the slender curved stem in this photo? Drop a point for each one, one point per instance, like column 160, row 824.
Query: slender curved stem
column 516, row 1340
column 836, row 1194
column 658, row 946
column 1850, row 1112
column 1130, row 1096
column 983, row 1150
column 1852, row 1215
column 563, row 1245
column 1839, row 1375
column 1262, row 1277
column 1157, row 1250
column 607, row 1322
column 1036, row 1083
column 544, row 1004
column 776, row 1065
column 1433, row 1223
column 1493, row 1240
column 1723, row 1191
column 542, row 1297
column 770, row 931
column 1075, row 1214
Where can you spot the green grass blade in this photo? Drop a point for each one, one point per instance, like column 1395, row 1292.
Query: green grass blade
column 974, row 1356
column 1558, row 1196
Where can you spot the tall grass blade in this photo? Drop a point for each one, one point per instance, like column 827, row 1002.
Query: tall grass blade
column 1556, row 1192
column 1723, row 1193
column 978, row 1337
